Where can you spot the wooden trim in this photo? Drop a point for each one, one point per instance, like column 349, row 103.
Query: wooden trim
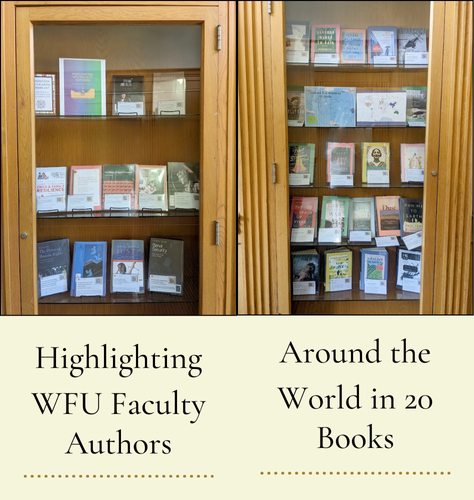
column 117, row 3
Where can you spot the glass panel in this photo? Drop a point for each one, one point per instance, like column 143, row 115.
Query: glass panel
column 118, row 108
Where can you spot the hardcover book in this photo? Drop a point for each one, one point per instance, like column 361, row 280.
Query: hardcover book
column 89, row 269
column 410, row 40
column 362, row 215
column 297, row 41
column 127, row 266
column 152, row 187
column 373, row 265
column 376, row 156
column 381, row 109
column 296, row 107
column 301, row 163
column 340, row 159
column 412, row 160
column 53, row 266
column 183, row 185
column 411, row 215
column 82, row 88
column 303, row 217
column 129, row 96
column 381, row 41
column 119, row 180
column 51, row 189
column 416, row 106
column 169, row 94
column 335, row 213
column 388, row 215
column 338, row 270
column 330, row 106
column 45, row 94
column 325, row 39
column 165, row 266
column 305, row 272
column 87, row 180
column 353, row 46
column 408, row 267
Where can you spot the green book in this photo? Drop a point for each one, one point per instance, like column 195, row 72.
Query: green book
column 416, row 106
column 335, row 213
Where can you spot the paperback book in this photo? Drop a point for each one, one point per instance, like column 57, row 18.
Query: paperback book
column 53, row 266
column 305, row 272
column 165, row 266
column 296, row 107
column 374, row 267
column 89, row 269
column 301, row 163
column 330, row 106
column 325, row 43
column 51, row 189
column 338, row 270
column 411, row 40
column 297, row 41
column 376, row 162
column 388, row 215
column 119, row 189
column 127, row 266
column 412, row 160
column 409, row 270
column 416, row 106
column 362, row 215
column 381, row 109
column 411, row 215
column 381, row 42
column 169, row 94
column 45, row 94
column 335, row 213
column 303, row 217
column 129, row 96
column 183, row 186
column 353, row 46
column 152, row 187
column 87, row 180
column 340, row 159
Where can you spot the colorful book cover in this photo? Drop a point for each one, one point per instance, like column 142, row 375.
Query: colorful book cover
column 362, row 215
column 388, row 215
column 183, row 185
column 353, row 46
column 410, row 40
column 335, row 213
column 338, row 270
column 119, row 179
column 165, row 266
column 127, row 266
column 325, row 39
column 45, row 94
column 129, row 96
column 301, row 163
column 305, row 272
column 373, row 265
column 303, row 217
column 408, row 266
column 297, row 41
column 330, row 106
column 53, row 267
column 381, row 109
column 51, row 188
column 375, row 156
column 152, row 185
column 411, row 215
column 381, row 41
column 87, row 179
column 296, row 107
column 82, row 88
column 340, row 159
column 412, row 160
column 416, row 106
column 89, row 269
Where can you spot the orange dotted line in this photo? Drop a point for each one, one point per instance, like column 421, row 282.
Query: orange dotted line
column 114, row 476
column 356, row 473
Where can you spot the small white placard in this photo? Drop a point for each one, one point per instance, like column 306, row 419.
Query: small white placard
column 130, row 108
column 80, row 202
column 385, row 60
column 329, row 235
column 376, row 286
column 378, row 176
column 302, row 234
column 152, row 201
column 326, row 58
column 119, row 201
column 299, row 179
column 53, row 284
column 166, row 284
column 387, row 241
column 44, row 94
column 52, row 203
column 360, row 236
column 171, row 108
column 340, row 284
column 126, row 283
column 342, row 180
column 414, row 175
column 411, row 285
column 304, row 288
column 418, row 58
column 89, row 286
column 413, row 240
column 186, row 200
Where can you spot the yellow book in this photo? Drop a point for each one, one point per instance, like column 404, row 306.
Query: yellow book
column 338, row 270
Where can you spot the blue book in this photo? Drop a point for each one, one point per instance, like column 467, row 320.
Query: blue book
column 381, row 41
column 89, row 269
column 373, row 265
column 330, row 106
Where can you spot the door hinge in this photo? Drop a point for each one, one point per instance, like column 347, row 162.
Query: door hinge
column 274, row 173
column 219, row 37
column 217, row 233
column 269, row 6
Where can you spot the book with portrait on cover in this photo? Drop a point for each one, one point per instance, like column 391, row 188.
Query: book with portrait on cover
column 165, row 266
column 376, row 157
column 305, row 272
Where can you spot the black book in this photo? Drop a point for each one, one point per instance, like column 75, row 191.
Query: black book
column 411, row 215
column 53, row 267
column 165, row 266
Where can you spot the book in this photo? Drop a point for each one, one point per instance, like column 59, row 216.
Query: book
column 338, row 269
column 353, row 46
column 169, row 94
column 325, row 39
column 51, row 189
column 409, row 268
column 183, row 185
column 45, row 94
column 129, row 95
column 53, row 266
column 416, row 106
column 152, row 182
column 165, row 266
column 381, row 109
column 82, row 89
column 87, row 180
column 362, row 215
column 301, row 163
column 412, row 162
column 119, row 189
column 410, row 40
column 303, row 219
column 305, row 272
column 387, row 209
column 411, row 215
column 330, row 106
column 335, row 213
column 89, row 269
column 381, row 42
column 296, row 108
column 376, row 157
column 373, row 266
column 127, row 266
column 340, row 159
column 297, row 41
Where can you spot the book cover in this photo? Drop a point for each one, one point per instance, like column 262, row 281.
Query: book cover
column 119, row 179
column 330, row 106
column 340, row 159
column 165, row 266
column 183, row 185
column 127, row 266
column 89, row 269
column 338, row 270
column 303, row 219
column 353, row 46
column 51, row 188
column 410, row 40
column 152, row 182
column 87, row 180
column 411, row 215
column 412, row 160
column 335, row 213
column 408, row 267
column 169, row 94
column 381, row 41
column 388, row 215
column 373, row 265
column 297, row 41
column 325, row 39
column 296, row 107
column 45, row 94
column 301, row 163
column 362, row 215
column 416, row 106
column 53, row 267
column 129, row 95
column 82, row 88
column 381, row 109
column 305, row 272
column 375, row 156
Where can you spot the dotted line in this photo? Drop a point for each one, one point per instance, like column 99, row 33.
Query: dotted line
column 114, row 476
column 357, row 473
